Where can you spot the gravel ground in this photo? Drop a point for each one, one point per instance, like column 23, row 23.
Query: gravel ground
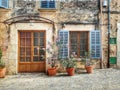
column 101, row 79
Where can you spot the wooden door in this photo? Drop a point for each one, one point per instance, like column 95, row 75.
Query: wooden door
column 31, row 51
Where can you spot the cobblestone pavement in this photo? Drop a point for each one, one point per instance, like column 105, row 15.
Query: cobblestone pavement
column 101, row 79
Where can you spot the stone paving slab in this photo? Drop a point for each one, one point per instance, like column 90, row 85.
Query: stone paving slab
column 101, row 79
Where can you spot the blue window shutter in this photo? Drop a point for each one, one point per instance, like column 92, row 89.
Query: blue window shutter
column 64, row 44
column 47, row 3
column 44, row 4
column 4, row 3
column 52, row 4
column 95, row 44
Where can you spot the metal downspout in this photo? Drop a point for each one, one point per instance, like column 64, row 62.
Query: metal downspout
column 108, row 63
column 101, row 19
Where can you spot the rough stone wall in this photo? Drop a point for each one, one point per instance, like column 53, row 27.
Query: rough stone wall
column 78, row 11
column 115, row 5
column 22, row 7
column 114, row 19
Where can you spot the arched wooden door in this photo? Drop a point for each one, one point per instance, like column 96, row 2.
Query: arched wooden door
column 32, row 53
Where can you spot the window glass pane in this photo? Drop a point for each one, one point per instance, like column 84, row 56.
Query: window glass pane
column 35, row 58
column 35, row 41
column 73, row 41
column 41, row 34
column 41, row 41
column 22, row 42
column 82, row 53
column 83, row 47
column 28, row 34
column 35, row 34
column 28, row 51
column 42, row 58
column 74, row 47
column 36, row 51
column 22, row 59
column 28, row 41
column 22, row 51
column 42, row 52
column 22, row 34
column 28, row 59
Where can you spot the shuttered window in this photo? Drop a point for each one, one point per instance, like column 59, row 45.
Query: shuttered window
column 63, row 44
column 95, row 44
column 4, row 3
column 78, row 43
column 47, row 4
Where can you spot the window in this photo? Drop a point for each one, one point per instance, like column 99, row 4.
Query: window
column 47, row 4
column 4, row 3
column 79, row 43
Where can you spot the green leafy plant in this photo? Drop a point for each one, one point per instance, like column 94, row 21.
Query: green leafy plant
column 2, row 64
column 87, row 61
column 68, row 63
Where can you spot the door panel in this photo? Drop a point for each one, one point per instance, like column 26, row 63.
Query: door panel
column 24, row 67
column 32, row 51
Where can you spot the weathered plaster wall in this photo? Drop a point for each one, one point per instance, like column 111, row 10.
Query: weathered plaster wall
column 79, row 27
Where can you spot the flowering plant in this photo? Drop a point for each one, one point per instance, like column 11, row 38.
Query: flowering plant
column 52, row 60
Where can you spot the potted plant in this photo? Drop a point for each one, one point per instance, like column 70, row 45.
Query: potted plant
column 89, row 66
column 2, row 66
column 69, row 64
column 52, row 69
column 88, row 62
column 52, row 60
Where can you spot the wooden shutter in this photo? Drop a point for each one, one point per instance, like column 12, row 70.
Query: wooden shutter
column 95, row 44
column 4, row 3
column 63, row 44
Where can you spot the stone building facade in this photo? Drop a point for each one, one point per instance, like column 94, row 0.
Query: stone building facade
column 71, row 16
column 114, row 32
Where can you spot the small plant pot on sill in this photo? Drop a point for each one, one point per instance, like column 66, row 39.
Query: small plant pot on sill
column 70, row 71
column 89, row 69
column 51, row 71
column 2, row 72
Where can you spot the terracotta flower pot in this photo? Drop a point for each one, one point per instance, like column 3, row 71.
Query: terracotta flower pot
column 70, row 71
column 89, row 69
column 51, row 71
column 2, row 72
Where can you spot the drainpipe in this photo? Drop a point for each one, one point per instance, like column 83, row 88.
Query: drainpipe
column 108, row 63
column 100, row 26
